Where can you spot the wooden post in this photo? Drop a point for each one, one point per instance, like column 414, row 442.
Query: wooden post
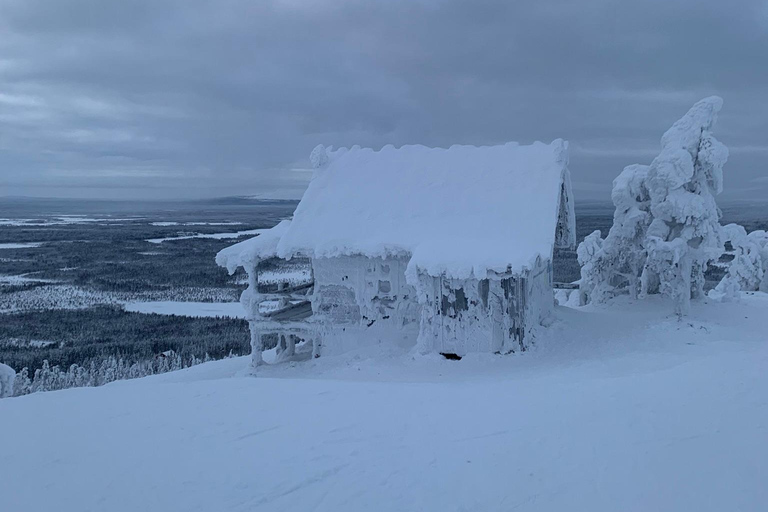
column 257, row 345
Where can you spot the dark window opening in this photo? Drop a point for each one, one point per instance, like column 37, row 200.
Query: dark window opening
column 385, row 287
column 455, row 301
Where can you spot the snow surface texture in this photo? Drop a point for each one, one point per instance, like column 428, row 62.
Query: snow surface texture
column 7, row 376
column 619, row 408
column 502, row 201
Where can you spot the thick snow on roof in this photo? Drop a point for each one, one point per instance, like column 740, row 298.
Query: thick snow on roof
column 460, row 211
column 249, row 252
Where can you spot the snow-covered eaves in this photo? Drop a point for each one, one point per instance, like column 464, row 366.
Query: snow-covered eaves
column 461, row 211
column 248, row 253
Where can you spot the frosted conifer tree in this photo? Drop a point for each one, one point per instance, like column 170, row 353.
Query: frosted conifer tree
column 747, row 270
column 614, row 265
column 588, row 253
column 684, row 235
column 761, row 238
column 22, row 384
column 7, row 380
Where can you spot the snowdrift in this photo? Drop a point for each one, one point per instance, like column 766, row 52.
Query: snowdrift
column 621, row 408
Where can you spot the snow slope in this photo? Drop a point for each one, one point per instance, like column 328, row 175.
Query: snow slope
column 617, row 408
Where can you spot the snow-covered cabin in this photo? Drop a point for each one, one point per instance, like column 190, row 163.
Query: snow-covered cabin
column 448, row 249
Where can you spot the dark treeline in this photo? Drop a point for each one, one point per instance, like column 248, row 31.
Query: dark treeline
column 123, row 266
column 100, row 372
column 80, row 336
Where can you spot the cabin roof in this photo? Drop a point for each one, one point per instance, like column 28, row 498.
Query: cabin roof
column 249, row 252
column 458, row 211
column 463, row 211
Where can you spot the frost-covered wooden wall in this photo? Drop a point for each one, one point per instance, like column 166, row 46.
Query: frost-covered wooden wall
column 359, row 300
column 497, row 314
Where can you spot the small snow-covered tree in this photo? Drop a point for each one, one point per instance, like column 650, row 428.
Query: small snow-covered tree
column 588, row 254
column 43, row 378
column 613, row 266
column 7, row 380
column 684, row 235
column 22, row 384
column 747, row 269
column 760, row 237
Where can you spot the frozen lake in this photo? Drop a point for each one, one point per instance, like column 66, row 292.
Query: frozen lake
column 192, row 309
column 30, row 245
column 216, row 236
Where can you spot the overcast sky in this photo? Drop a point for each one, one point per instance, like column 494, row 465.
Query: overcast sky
column 194, row 98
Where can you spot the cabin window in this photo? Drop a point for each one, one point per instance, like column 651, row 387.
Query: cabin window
column 384, row 268
column 385, row 286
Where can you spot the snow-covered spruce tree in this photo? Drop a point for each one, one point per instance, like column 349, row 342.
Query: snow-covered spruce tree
column 7, row 380
column 684, row 234
column 761, row 238
column 613, row 266
column 747, row 271
column 588, row 254
column 22, row 384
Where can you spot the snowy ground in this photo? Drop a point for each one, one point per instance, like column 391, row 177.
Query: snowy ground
column 193, row 309
column 617, row 408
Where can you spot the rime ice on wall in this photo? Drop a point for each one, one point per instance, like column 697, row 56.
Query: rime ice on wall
column 497, row 314
column 359, row 300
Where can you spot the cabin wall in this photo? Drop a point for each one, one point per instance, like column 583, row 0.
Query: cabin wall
column 359, row 300
column 540, row 298
column 459, row 316
column 489, row 315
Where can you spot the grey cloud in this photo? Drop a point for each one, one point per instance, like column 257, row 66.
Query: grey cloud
column 197, row 97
